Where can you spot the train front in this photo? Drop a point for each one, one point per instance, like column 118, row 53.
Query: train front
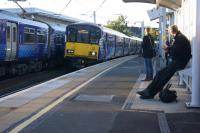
column 82, row 46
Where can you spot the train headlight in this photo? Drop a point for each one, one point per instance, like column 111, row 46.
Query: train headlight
column 69, row 51
column 92, row 53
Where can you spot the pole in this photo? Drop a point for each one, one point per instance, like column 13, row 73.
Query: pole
column 142, row 27
column 24, row 11
column 162, row 30
column 195, row 103
column 94, row 15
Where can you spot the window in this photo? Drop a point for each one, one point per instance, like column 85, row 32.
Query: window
column 1, row 30
column 29, row 35
column 71, row 34
column 83, row 36
column 8, row 39
column 41, row 37
column 59, row 39
column 95, row 35
column 111, row 40
column 14, row 34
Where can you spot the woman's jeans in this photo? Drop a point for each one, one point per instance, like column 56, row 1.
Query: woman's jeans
column 148, row 68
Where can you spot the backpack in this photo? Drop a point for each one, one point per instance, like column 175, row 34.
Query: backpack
column 168, row 96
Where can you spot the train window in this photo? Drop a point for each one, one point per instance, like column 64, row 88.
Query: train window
column 1, row 30
column 29, row 35
column 95, row 36
column 59, row 39
column 8, row 39
column 71, row 35
column 41, row 36
column 110, row 40
column 83, row 36
column 1, row 38
column 14, row 34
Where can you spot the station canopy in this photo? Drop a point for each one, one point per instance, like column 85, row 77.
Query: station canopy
column 172, row 4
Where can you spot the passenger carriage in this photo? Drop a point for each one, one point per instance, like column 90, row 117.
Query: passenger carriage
column 23, row 44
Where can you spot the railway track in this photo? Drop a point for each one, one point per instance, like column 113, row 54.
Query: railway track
column 11, row 85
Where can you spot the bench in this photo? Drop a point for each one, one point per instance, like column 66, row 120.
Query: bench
column 185, row 72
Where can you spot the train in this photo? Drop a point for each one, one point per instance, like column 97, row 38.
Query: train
column 30, row 46
column 89, row 43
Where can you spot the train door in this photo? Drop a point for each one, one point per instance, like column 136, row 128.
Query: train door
column 11, row 41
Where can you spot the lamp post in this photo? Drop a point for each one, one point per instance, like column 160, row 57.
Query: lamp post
column 93, row 14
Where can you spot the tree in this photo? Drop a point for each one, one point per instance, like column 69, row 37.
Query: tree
column 120, row 25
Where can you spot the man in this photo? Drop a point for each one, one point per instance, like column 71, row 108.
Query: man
column 181, row 54
column 147, row 54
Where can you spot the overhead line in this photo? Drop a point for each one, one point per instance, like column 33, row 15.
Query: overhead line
column 65, row 6
column 100, row 5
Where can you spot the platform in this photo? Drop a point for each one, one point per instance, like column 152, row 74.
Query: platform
column 98, row 99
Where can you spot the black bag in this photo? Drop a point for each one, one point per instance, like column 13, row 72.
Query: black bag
column 168, row 96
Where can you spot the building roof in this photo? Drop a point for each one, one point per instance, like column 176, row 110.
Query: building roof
column 172, row 4
column 40, row 12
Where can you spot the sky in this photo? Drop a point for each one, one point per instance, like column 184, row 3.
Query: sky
column 83, row 9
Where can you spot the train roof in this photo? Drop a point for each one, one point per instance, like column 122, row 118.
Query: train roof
column 136, row 38
column 48, row 14
column 58, row 27
column 13, row 17
column 111, row 31
column 104, row 29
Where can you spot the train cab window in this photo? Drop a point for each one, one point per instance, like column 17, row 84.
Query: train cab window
column 41, row 37
column 71, row 34
column 82, row 35
column 8, row 39
column 29, row 35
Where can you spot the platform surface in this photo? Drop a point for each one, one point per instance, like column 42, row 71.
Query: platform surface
column 98, row 99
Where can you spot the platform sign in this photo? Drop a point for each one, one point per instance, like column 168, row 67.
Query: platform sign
column 153, row 14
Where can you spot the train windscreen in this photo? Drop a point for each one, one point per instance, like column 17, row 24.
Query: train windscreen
column 83, row 34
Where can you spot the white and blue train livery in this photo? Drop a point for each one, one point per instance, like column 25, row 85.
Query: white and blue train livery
column 23, row 43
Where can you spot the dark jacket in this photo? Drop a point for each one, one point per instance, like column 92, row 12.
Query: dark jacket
column 181, row 48
column 147, row 45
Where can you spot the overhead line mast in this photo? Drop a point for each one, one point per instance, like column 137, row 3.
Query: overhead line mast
column 16, row 2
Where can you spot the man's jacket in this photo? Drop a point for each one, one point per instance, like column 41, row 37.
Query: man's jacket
column 181, row 48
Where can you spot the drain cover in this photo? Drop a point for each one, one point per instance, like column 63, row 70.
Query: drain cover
column 94, row 98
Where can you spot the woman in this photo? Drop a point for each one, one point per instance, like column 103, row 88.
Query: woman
column 147, row 54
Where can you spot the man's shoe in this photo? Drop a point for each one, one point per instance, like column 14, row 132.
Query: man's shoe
column 141, row 92
column 145, row 94
column 146, row 97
